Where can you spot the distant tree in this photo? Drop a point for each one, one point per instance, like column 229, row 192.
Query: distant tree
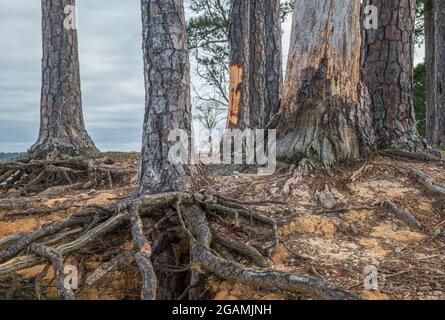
column 208, row 37
column 209, row 114
column 421, row 19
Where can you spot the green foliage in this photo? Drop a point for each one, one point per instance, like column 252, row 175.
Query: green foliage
column 420, row 27
column 420, row 97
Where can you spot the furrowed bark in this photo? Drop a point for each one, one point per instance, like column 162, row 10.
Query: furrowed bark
column 238, row 115
column 325, row 115
column 265, row 73
column 436, row 77
column 168, row 105
column 62, row 128
column 388, row 58
column 430, row 46
column 274, row 57
column 257, row 64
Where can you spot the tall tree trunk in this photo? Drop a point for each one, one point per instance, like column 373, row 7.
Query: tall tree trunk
column 257, row 64
column 325, row 111
column 168, row 104
column 62, row 129
column 167, row 109
column 429, row 23
column 388, row 73
column 274, row 60
column 238, row 116
column 436, row 75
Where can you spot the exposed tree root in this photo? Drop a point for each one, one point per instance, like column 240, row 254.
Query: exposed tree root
column 35, row 176
column 402, row 215
column 240, row 248
column 194, row 221
column 149, row 283
column 57, row 261
column 416, row 156
column 429, row 183
column 203, row 257
column 105, row 268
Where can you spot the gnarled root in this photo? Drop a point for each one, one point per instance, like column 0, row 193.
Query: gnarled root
column 56, row 260
column 203, row 257
column 195, row 219
column 35, row 176
column 403, row 216
column 150, row 283
column 429, row 183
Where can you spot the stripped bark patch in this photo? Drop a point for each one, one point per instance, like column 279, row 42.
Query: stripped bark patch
column 236, row 73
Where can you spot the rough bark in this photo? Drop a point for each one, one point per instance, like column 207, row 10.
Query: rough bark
column 257, row 64
column 325, row 114
column 274, row 60
column 430, row 67
column 238, row 116
column 265, row 73
column 436, row 75
column 388, row 74
column 168, row 104
column 62, row 128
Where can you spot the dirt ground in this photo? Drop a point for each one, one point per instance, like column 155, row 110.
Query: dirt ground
column 338, row 233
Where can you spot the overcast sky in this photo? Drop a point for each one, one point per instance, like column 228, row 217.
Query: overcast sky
column 111, row 72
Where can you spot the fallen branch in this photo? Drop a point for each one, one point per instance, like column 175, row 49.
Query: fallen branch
column 428, row 183
column 402, row 215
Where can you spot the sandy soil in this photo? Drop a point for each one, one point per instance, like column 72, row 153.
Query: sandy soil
column 336, row 245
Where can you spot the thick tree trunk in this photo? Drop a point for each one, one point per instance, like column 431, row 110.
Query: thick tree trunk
column 238, row 116
column 388, row 73
column 274, row 60
column 167, row 109
column 436, row 75
column 257, row 64
column 62, row 129
column 429, row 64
column 168, row 104
column 325, row 111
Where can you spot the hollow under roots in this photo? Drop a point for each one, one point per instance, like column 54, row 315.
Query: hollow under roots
column 193, row 220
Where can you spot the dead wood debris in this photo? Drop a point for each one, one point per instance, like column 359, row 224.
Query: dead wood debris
column 36, row 176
